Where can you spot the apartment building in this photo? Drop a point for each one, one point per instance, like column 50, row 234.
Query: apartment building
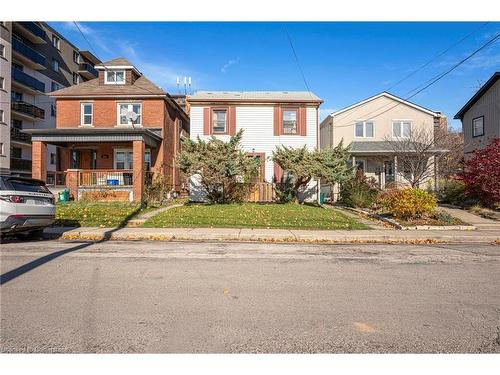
column 5, row 64
column 38, row 60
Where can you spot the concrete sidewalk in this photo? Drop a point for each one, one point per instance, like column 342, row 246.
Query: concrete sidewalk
column 274, row 235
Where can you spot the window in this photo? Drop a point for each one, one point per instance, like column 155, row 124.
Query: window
column 53, row 110
column 16, row 152
column 125, row 112
column 75, row 159
column 54, row 86
column 289, row 121
column 124, row 158
column 55, row 65
column 76, row 78
column 478, row 126
column 401, row 129
column 1, row 149
column 115, row 77
column 56, row 42
column 219, row 121
column 16, row 96
column 2, row 117
column 364, row 129
column 52, row 158
column 86, row 110
column 2, row 50
column 76, row 57
column 2, row 83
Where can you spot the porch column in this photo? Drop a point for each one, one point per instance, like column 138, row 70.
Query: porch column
column 39, row 160
column 72, row 182
column 138, row 169
column 395, row 171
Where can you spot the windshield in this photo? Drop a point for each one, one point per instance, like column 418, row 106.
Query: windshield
column 24, row 185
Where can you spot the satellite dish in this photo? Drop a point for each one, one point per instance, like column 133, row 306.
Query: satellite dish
column 132, row 116
column 123, row 111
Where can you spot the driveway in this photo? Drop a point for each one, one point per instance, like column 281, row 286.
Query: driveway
column 166, row 297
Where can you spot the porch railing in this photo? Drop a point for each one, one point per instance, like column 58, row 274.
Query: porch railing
column 105, row 177
column 56, row 179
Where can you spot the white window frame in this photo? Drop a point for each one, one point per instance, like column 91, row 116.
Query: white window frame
column 364, row 129
column 215, row 122
column 109, row 82
column 129, row 150
column 474, row 126
column 75, row 53
column 296, row 110
column 82, row 114
column 77, row 78
column 130, row 105
column 401, row 121
column 56, row 41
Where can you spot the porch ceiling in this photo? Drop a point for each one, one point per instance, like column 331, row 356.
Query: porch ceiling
column 151, row 137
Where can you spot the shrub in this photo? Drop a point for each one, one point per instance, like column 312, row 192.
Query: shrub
column 408, row 203
column 481, row 174
column 451, row 191
column 359, row 191
column 285, row 191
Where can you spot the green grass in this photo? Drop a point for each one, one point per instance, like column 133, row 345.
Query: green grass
column 95, row 214
column 252, row 215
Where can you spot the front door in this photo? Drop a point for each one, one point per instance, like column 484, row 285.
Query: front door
column 388, row 172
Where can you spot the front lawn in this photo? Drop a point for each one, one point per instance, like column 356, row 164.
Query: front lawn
column 95, row 214
column 253, row 215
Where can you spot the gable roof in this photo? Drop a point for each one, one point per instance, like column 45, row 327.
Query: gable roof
column 119, row 61
column 388, row 95
column 141, row 87
column 477, row 95
column 256, row 96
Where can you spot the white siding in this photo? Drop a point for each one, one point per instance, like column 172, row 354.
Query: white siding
column 257, row 122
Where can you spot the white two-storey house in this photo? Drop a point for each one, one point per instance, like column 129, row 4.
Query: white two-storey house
column 269, row 119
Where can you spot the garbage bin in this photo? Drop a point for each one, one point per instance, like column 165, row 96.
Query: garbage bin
column 321, row 198
column 64, row 196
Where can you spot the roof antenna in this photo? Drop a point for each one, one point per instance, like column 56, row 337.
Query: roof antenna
column 189, row 84
column 178, row 85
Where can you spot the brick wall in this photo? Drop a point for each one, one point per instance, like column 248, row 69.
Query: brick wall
column 105, row 112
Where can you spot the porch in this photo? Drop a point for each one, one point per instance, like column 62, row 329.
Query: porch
column 101, row 164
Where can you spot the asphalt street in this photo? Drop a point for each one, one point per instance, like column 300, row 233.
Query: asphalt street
column 186, row 297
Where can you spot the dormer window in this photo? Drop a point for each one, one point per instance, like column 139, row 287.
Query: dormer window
column 115, row 77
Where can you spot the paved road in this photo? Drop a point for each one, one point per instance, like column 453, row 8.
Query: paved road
column 226, row 297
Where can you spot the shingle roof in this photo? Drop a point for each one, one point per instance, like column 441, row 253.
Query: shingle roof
column 119, row 61
column 381, row 147
column 256, row 96
column 141, row 86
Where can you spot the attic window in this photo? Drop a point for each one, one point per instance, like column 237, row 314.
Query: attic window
column 115, row 77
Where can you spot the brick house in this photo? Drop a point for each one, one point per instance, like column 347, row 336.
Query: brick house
column 112, row 134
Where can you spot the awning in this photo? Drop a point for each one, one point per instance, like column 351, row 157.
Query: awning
column 150, row 136
column 384, row 148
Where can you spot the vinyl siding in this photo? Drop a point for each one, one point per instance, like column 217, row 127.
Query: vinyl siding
column 489, row 107
column 257, row 122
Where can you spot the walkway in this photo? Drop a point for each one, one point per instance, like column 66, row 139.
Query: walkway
column 478, row 221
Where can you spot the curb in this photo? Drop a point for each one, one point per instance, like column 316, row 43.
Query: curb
column 335, row 239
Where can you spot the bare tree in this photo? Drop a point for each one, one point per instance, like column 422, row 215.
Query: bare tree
column 452, row 162
column 419, row 155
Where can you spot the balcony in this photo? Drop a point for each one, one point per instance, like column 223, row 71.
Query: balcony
column 30, row 31
column 87, row 70
column 28, row 110
column 28, row 82
column 18, row 136
column 20, row 164
column 27, row 55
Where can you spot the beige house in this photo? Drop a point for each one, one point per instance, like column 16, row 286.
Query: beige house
column 480, row 116
column 369, row 125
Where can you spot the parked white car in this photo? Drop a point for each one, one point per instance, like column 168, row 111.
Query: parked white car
column 26, row 206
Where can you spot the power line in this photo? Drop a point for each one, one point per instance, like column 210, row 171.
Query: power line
column 433, row 80
column 423, row 66
column 437, row 56
column 297, row 59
